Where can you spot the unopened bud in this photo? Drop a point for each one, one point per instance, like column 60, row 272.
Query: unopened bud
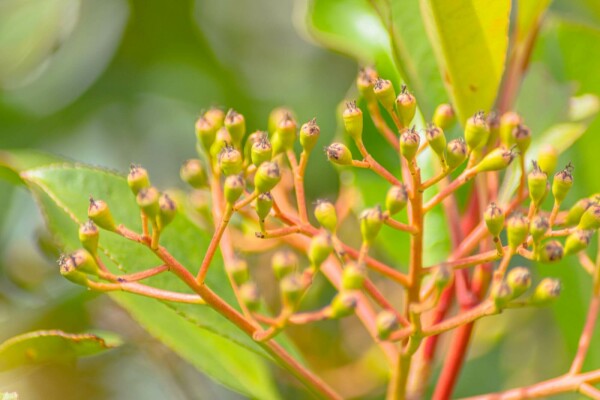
column 590, row 218
column 84, row 262
column 261, row 150
column 494, row 219
column 320, row 248
column 409, row 143
column 371, row 221
column 546, row 292
column 353, row 121
column 547, row 158
column 386, row 323
column 276, row 115
column 309, row 135
column 575, row 212
column 496, row 160
column 522, row 137
column 215, row 116
column 147, row 200
column 517, row 228
column 88, row 236
column 291, row 290
column 137, row 178
column 444, row 116
column 326, row 215
column 436, row 139
column 519, row 280
column 550, row 251
column 339, row 154
column 222, row 140
column 238, row 270
column 508, row 122
column 236, row 126
column 167, row 210
column 577, row 241
column 385, row 93
column 99, row 212
column 285, row 134
column 284, row 262
column 343, row 304
column 406, row 104
column 365, row 82
column 353, row 276
column 193, row 173
column 456, row 153
column 69, row 271
column 537, row 181
column 267, row 176
column 230, row 161
column 442, row 276
column 538, row 227
column 264, row 203
column 476, row 131
column 205, row 132
column 396, row 198
column 562, row 182
column 493, row 121
column 502, row 294
column 250, row 295
column 233, row 187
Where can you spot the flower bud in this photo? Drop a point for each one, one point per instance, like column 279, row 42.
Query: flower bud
column 205, row 132
column 365, row 82
column 537, row 181
column 546, row 291
column 519, row 280
column 309, row 135
column 236, row 126
column 522, row 137
column 264, row 203
column 406, row 105
column 291, row 290
column 339, row 154
column 409, row 143
column 267, row 176
column 230, row 161
column 396, row 198
column 493, row 121
column 137, row 178
column 476, row 131
column 326, row 215
column 69, row 271
column 320, row 248
column 99, row 212
column 494, row 219
column 276, row 115
column 252, row 138
column 193, row 173
column 343, row 304
column 285, row 135
column 561, row 184
column 385, row 93
column 517, row 228
column 353, row 121
column 284, row 262
column 88, row 236
column 371, row 221
column 216, row 117
column 353, row 276
column 575, row 213
column 547, row 158
column 84, row 262
column 550, row 251
column 456, row 153
column 167, row 210
column 502, row 294
column 496, row 160
column 508, row 122
column 442, row 276
column 538, row 227
column 590, row 218
column 436, row 139
column 147, row 200
column 261, row 150
column 386, row 323
column 233, row 187
column 444, row 116
column 249, row 295
column 577, row 241
column 238, row 270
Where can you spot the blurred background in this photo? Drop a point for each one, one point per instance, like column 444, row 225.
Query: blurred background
column 110, row 82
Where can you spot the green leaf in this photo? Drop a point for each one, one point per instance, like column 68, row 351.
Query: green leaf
column 52, row 346
column 62, row 190
column 470, row 40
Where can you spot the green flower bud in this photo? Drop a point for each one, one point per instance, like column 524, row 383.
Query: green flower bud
column 88, row 236
column 444, row 116
column 236, row 126
column 222, row 140
column 339, row 154
column 264, row 203
column 494, row 219
column 84, row 262
column 193, row 173
column 353, row 121
column 508, row 122
column 267, row 176
column 477, row 131
column 522, row 137
column 442, row 276
column 456, row 153
column 406, row 104
column 238, row 270
column 519, row 280
column 493, row 121
column 326, row 215
column 575, row 213
column 285, row 135
column 343, row 304
column 537, row 181
column 230, row 161
column 501, row 294
column 550, row 251
column 365, row 82
column 99, row 212
column 496, row 160
column 538, row 227
column 147, row 200
column 590, row 218
column 249, row 295
column 562, row 182
column 137, row 178
column 261, row 150
column 385, row 93
column 205, row 132
column 577, row 241
column 547, row 158
column 353, row 276
column 291, row 290
column 284, row 263
column 386, row 322
column 320, row 248
column 409, row 143
column 546, row 292
column 517, row 228
column 252, row 138
column 436, row 139
column 309, row 135
column 167, row 210
column 276, row 116
column 396, row 198
column 233, row 187
column 69, row 271
column 216, row 117
column 371, row 221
